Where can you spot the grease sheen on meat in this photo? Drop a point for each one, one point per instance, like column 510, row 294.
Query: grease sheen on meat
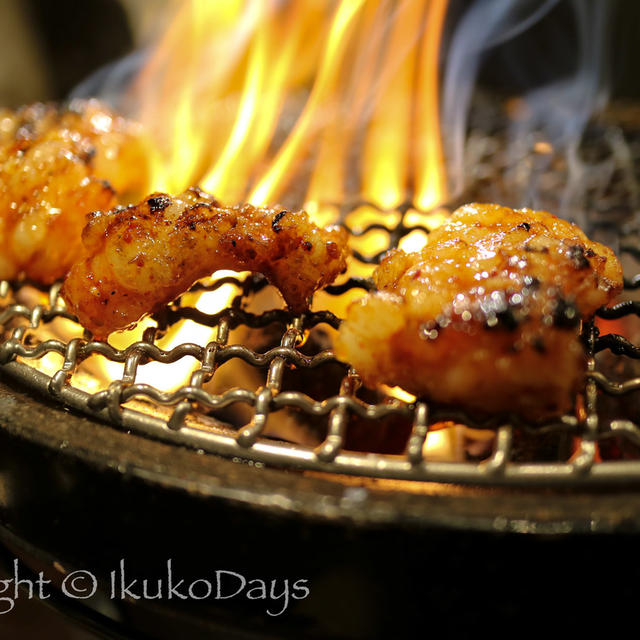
column 56, row 166
column 141, row 257
column 487, row 315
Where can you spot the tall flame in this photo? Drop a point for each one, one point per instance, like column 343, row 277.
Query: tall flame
column 313, row 102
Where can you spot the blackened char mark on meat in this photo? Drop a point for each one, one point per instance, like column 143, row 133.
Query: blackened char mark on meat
column 275, row 225
column 158, row 204
column 578, row 257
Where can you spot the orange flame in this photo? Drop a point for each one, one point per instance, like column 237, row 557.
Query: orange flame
column 352, row 85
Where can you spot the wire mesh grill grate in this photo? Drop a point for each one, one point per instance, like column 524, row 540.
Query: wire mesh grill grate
column 189, row 414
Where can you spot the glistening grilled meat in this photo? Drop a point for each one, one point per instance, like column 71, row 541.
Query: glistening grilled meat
column 57, row 165
column 487, row 316
column 141, row 257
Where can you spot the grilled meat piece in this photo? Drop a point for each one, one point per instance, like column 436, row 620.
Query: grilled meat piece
column 141, row 257
column 57, row 165
column 486, row 317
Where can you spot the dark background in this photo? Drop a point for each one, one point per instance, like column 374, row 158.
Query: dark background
column 49, row 47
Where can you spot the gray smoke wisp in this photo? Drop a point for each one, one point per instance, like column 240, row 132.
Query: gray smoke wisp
column 556, row 112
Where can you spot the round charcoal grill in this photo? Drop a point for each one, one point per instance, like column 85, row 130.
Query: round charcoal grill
column 188, row 421
column 138, row 473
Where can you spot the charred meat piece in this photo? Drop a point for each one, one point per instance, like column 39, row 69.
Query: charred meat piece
column 57, row 165
column 141, row 257
column 487, row 316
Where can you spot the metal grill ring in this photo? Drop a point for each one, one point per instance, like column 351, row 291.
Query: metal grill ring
column 185, row 423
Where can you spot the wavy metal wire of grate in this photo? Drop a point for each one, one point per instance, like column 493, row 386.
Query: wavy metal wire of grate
column 185, row 424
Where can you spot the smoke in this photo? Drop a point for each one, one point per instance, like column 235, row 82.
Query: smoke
column 109, row 83
column 556, row 111
column 118, row 83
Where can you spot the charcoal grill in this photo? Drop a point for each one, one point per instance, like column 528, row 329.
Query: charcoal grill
column 187, row 416
column 132, row 471
column 187, row 423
